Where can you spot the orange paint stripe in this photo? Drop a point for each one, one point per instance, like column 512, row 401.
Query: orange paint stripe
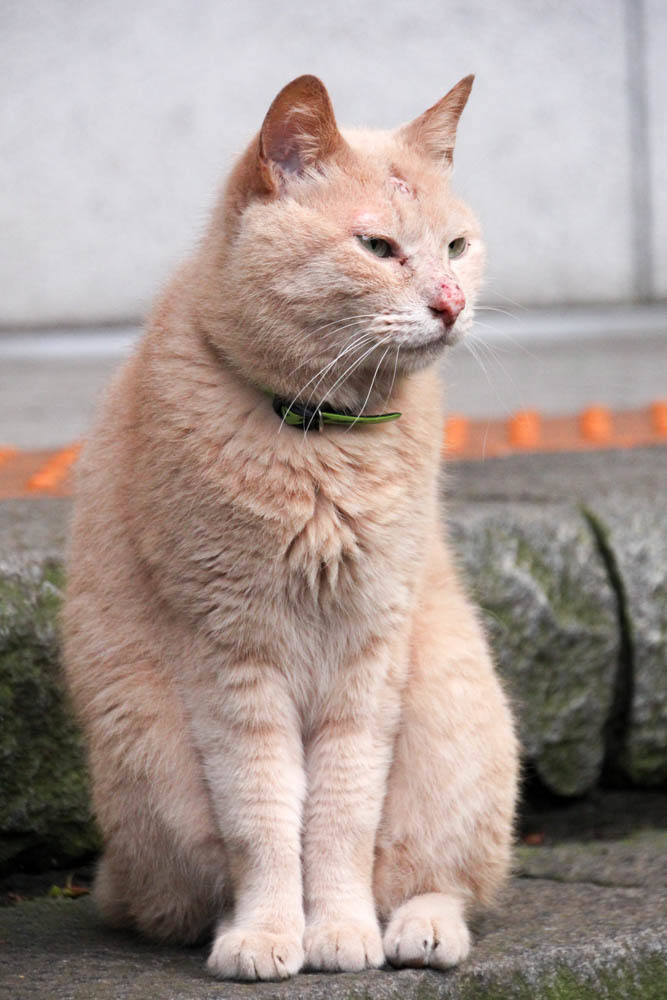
column 26, row 473
column 658, row 411
column 595, row 424
column 456, row 434
column 52, row 473
column 524, row 429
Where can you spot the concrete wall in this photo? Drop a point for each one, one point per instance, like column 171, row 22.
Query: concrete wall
column 118, row 119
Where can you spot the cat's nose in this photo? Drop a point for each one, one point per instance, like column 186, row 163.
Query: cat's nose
column 448, row 300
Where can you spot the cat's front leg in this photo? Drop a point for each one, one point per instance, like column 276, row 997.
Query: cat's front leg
column 249, row 739
column 347, row 762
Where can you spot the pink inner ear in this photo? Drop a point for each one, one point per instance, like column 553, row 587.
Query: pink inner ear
column 282, row 145
column 300, row 128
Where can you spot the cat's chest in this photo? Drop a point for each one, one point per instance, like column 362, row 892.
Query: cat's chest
column 325, row 543
column 351, row 551
column 296, row 537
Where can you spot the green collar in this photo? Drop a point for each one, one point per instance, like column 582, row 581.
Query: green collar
column 316, row 418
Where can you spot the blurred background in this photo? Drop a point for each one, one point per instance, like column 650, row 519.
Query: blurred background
column 118, row 122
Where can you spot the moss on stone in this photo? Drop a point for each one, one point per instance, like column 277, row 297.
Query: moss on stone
column 44, row 806
column 551, row 617
column 647, row 980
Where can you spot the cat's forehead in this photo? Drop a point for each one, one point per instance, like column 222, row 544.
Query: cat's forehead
column 395, row 182
column 401, row 185
column 396, row 202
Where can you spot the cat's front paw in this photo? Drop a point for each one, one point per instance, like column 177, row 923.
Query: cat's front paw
column 428, row 930
column 251, row 954
column 343, row 946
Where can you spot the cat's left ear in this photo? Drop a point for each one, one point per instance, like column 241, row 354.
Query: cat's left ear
column 299, row 130
column 434, row 132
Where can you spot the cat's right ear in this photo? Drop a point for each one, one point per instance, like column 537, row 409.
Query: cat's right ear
column 434, row 132
column 299, row 132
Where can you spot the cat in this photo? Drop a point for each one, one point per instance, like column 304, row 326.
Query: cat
column 297, row 740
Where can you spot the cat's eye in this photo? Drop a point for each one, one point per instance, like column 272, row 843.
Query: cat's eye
column 378, row 247
column 457, row 247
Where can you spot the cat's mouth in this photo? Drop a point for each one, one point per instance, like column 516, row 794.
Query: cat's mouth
column 448, row 335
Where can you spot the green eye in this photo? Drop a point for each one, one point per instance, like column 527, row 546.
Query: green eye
column 376, row 246
column 457, row 247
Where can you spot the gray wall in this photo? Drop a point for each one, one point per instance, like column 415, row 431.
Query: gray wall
column 118, row 119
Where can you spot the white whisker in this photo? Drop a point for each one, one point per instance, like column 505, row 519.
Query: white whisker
column 503, row 333
column 348, row 371
column 393, row 377
column 332, row 333
column 368, row 394
column 360, row 339
column 355, row 364
column 503, row 312
column 357, row 338
column 470, row 347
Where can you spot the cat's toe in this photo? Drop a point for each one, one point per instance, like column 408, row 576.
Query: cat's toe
column 250, row 955
column 343, row 946
column 427, row 932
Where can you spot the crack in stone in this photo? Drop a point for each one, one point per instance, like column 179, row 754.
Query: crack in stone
column 618, row 720
column 562, row 880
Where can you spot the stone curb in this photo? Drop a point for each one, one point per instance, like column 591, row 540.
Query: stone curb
column 550, row 613
column 572, row 593
column 565, row 935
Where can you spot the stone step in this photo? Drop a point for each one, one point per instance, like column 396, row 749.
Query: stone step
column 578, row 922
column 566, row 555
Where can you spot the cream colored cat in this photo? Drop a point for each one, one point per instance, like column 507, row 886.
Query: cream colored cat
column 296, row 735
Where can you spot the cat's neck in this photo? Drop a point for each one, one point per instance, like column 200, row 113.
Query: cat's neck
column 199, row 386
column 339, row 391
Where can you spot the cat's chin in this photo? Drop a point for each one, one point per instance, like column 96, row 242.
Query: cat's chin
column 413, row 357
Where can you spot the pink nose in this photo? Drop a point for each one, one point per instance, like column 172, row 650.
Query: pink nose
column 448, row 301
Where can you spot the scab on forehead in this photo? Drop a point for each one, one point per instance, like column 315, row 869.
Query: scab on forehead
column 401, row 185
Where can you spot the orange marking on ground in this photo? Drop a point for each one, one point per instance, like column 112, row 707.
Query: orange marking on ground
column 524, row 429
column 595, row 424
column 456, row 434
column 594, row 428
column 48, row 473
column 659, row 416
column 51, row 474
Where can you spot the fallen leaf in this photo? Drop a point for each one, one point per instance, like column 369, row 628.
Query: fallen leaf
column 534, row 839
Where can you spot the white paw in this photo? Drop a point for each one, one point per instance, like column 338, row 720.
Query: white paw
column 239, row 954
column 427, row 931
column 343, row 946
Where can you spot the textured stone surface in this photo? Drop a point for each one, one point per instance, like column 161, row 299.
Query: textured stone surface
column 549, row 939
column 31, row 533
column 638, row 860
column 637, row 541
column 44, row 811
column 527, row 550
column 623, row 493
column 551, row 617
column 561, row 477
column 603, row 815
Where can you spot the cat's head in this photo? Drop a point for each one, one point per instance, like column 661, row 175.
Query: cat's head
column 336, row 257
